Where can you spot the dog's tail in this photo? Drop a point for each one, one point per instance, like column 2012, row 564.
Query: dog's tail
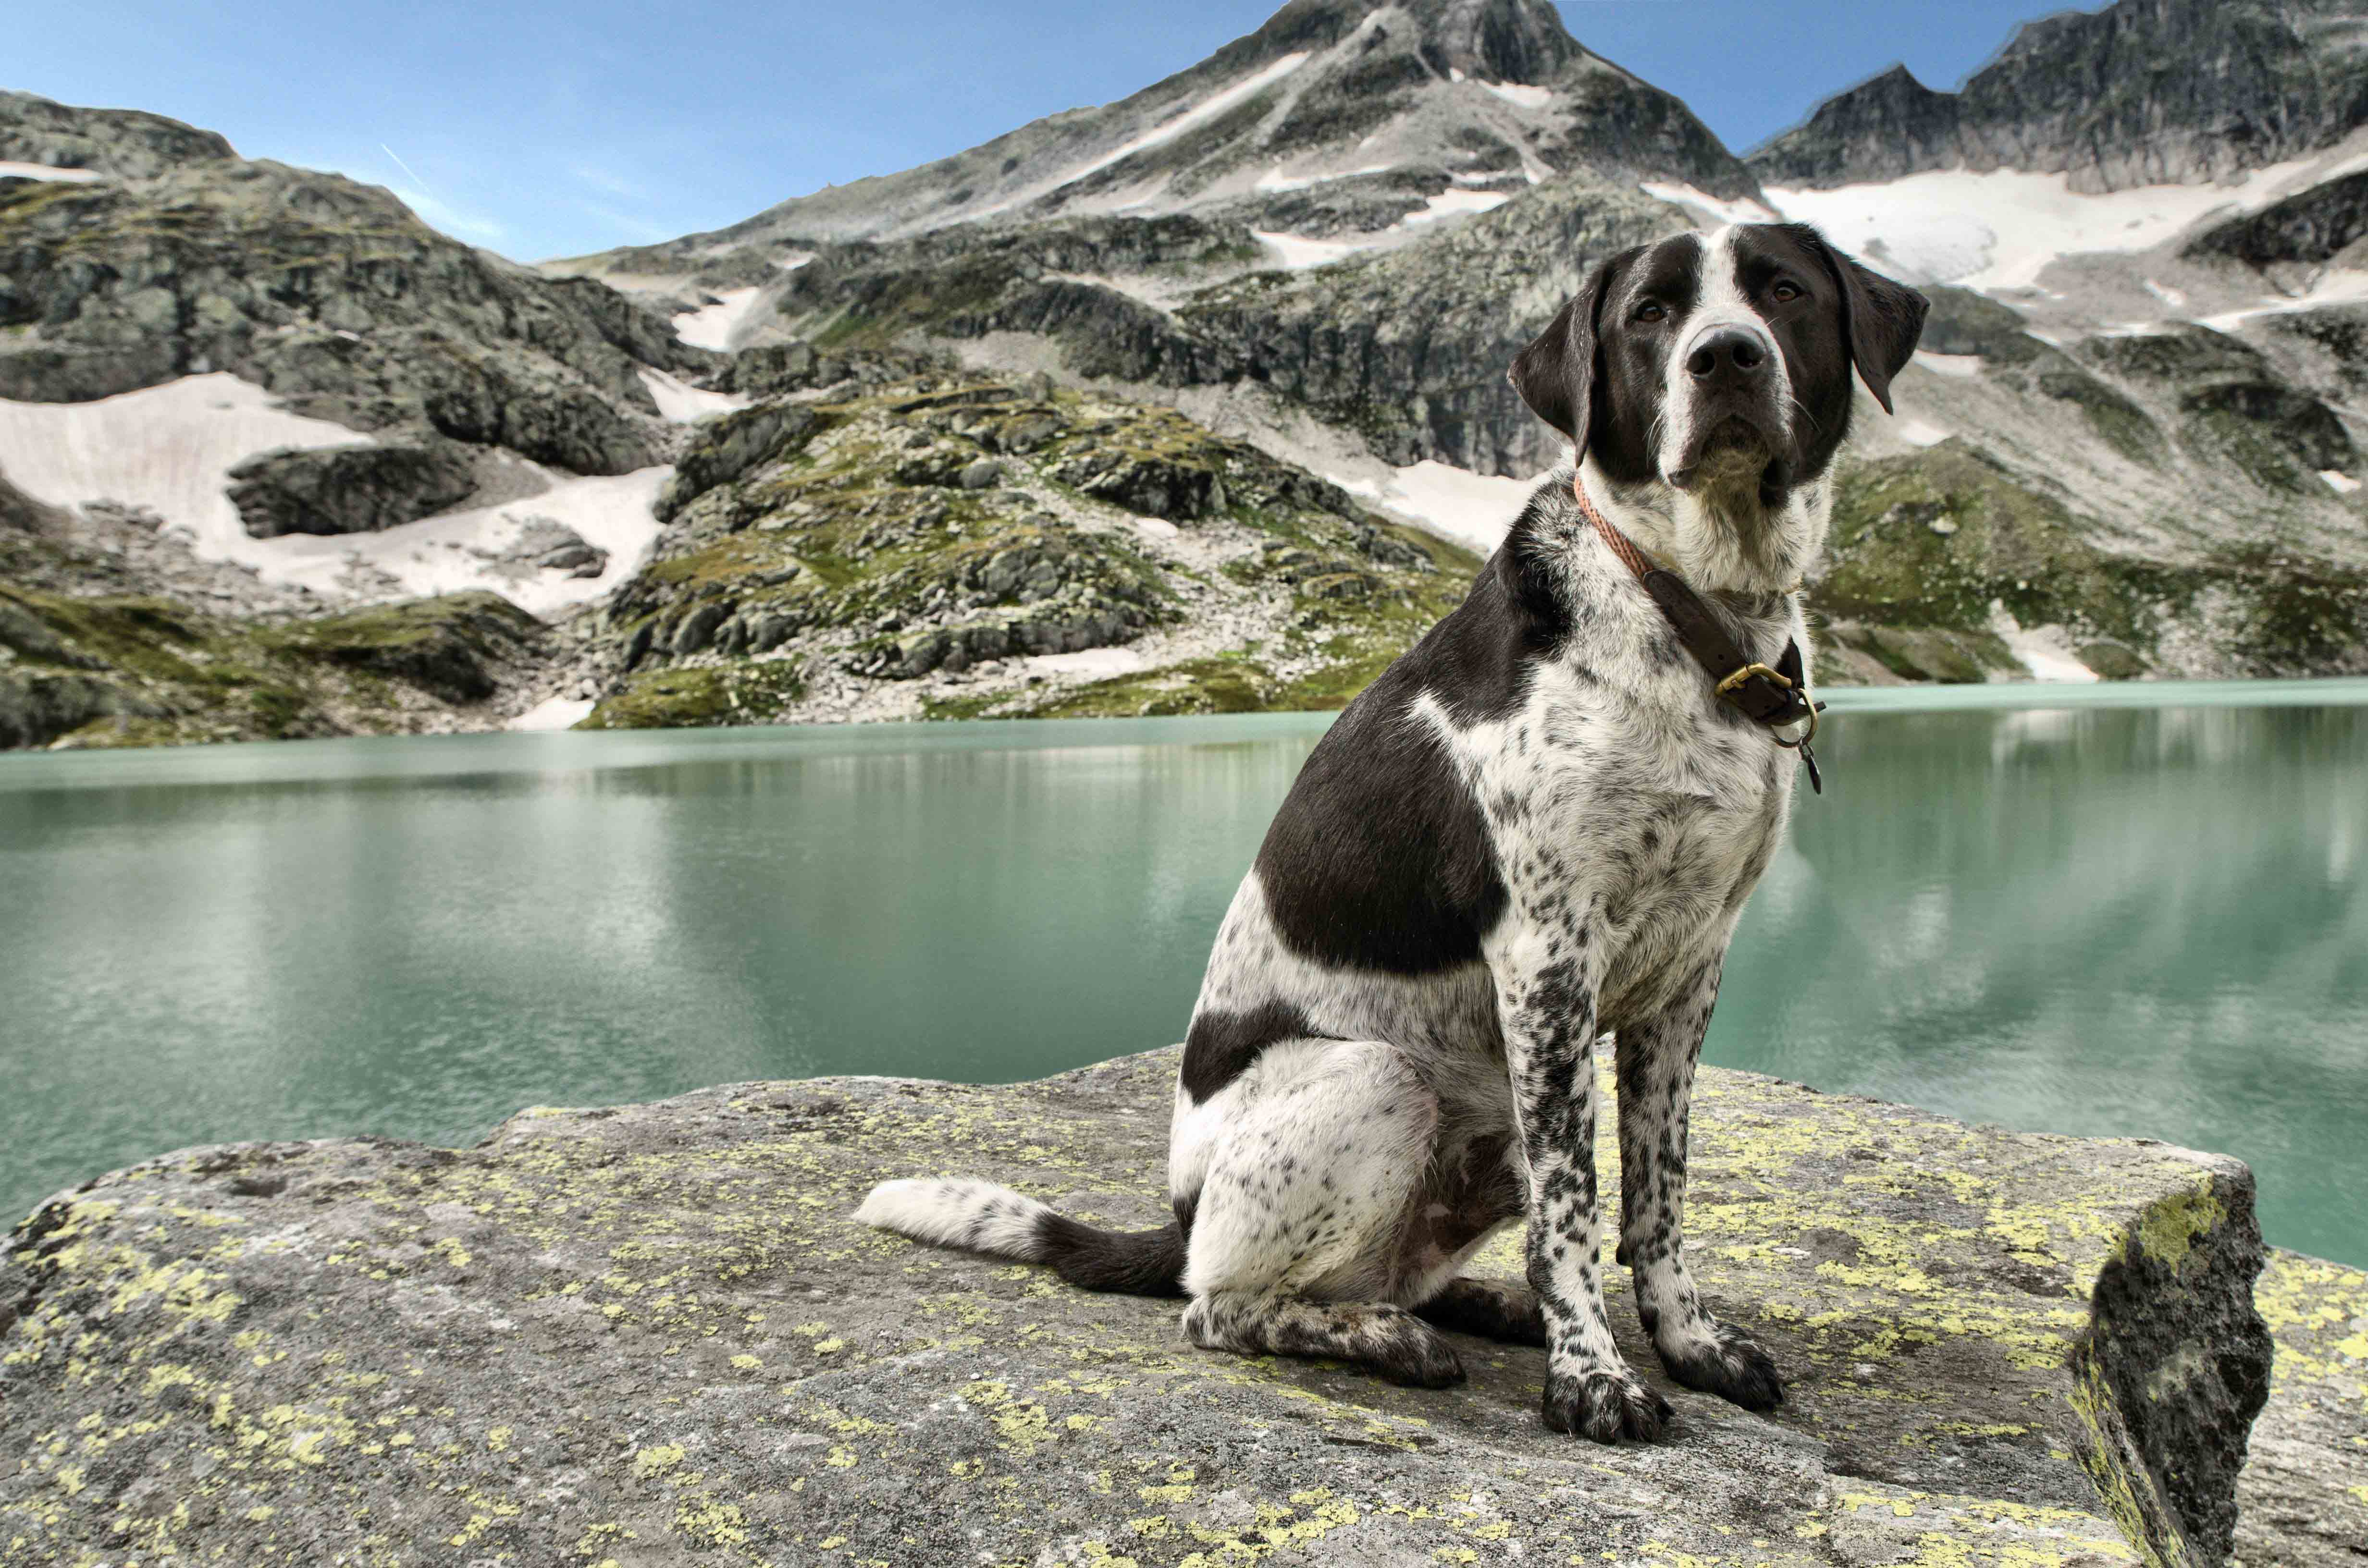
column 979, row 1216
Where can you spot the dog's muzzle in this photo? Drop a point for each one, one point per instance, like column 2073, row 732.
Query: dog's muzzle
column 1736, row 423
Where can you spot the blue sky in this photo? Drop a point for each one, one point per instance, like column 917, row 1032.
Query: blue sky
column 541, row 129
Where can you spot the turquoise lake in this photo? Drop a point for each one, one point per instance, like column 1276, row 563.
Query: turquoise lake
column 2132, row 910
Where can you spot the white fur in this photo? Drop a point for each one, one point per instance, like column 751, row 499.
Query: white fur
column 978, row 1215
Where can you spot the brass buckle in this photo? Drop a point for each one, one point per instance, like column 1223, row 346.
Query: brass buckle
column 1746, row 673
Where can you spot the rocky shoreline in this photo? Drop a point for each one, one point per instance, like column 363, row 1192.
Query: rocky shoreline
column 652, row 1334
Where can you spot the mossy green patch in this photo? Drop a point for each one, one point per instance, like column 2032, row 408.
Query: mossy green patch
column 742, row 692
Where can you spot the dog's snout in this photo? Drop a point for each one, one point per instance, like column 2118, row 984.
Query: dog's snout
column 1728, row 349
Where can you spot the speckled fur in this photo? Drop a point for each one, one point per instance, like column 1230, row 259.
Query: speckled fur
column 1361, row 1109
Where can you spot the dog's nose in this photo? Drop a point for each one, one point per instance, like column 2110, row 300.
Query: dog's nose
column 1730, row 349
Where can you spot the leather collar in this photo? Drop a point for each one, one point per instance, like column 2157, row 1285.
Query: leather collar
column 1775, row 700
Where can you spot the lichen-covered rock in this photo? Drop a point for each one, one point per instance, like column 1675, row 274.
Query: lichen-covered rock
column 653, row 1334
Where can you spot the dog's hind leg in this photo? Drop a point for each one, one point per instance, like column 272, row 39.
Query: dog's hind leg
column 1491, row 1309
column 1299, row 1223
column 1656, row 1067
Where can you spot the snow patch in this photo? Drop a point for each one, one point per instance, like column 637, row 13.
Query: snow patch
column 1275, row 182
column 1156, row 528
column 169, row 449
column 1206, row 110
column 712, row 327
column 1959, row 365
column 47, row 172
column 2176, row 298
column 1744, row 212
column 2340, row 286
column 1298, row 254
column 1471, row 509
column 552, row 713
column 1917, row 432
column 2045, row 650
column 684, row 404
column 1097, row 663
column 1523, row 94
column 446, row 554
column 1454, row 202
column 2000, row 230
column 2341, row 483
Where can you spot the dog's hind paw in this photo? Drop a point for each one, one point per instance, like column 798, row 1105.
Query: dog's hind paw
column 1733, row 1365
column 1604, row 1407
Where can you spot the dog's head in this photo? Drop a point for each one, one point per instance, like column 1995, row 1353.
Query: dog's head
column 1706, row 380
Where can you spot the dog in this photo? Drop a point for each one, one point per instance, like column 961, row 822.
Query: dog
column 1537, row 827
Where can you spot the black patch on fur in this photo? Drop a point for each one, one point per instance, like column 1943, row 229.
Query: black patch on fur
column 1128, row 1263
column 1222, row 1045
column 1380, row 859
column 1495, row 1313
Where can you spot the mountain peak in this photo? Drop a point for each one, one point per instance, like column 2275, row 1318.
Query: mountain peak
column 1358, row 123
column 2143, row 92
column 1488, row 41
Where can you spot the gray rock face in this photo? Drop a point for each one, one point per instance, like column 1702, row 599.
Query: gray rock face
column 2143, row 92
column 731, row 445
column 346, row 490
column 332, row 294
column 110, row 141
column 652, row 1334
column 2314, row 225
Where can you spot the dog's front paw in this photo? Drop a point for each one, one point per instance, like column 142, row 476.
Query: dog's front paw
column 1609, row 1407
column 1427, row 1363
column 1730, row 1364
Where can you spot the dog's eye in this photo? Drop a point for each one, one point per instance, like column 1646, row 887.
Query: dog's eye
column 1651, row 311
column 1785, row 291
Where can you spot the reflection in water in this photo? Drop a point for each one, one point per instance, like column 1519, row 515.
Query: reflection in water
column 2130, row 921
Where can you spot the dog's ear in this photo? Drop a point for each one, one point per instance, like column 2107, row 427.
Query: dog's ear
column 1556, row 374
column 1881, row 320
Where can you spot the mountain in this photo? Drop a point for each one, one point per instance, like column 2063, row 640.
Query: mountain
column 2143, row 92
column 1337, row 116
column 1191, row 403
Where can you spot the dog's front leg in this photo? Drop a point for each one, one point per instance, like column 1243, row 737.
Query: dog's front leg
column 1656, row 1065
column 1546, row 1002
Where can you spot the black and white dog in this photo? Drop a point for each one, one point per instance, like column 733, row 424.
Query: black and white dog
column 1537, row 827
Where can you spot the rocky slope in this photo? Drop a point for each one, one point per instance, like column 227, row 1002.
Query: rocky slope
column 2143, row 92
column 941, row 545
column 654, row 1335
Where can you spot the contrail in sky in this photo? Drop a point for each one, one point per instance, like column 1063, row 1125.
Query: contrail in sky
column 406, row 168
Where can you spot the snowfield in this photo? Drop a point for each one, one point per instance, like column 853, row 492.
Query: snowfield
column 169, row 449
column 2001, row 230
column 685, row 403
column 1474, row 510
column 712, row 327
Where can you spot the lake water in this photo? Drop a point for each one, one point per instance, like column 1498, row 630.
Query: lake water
column 2140, row 914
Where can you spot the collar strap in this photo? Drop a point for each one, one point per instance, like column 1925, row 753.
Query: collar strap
column 1774, row 699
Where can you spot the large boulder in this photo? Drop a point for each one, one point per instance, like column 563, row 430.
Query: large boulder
column 347, row 490
column 653, row 1334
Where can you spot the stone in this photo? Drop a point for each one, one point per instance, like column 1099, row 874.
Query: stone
column 984, row 474
column 347, row 490
column 653, row 1334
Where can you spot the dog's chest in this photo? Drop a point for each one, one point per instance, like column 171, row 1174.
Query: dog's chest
column 1646, row 816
